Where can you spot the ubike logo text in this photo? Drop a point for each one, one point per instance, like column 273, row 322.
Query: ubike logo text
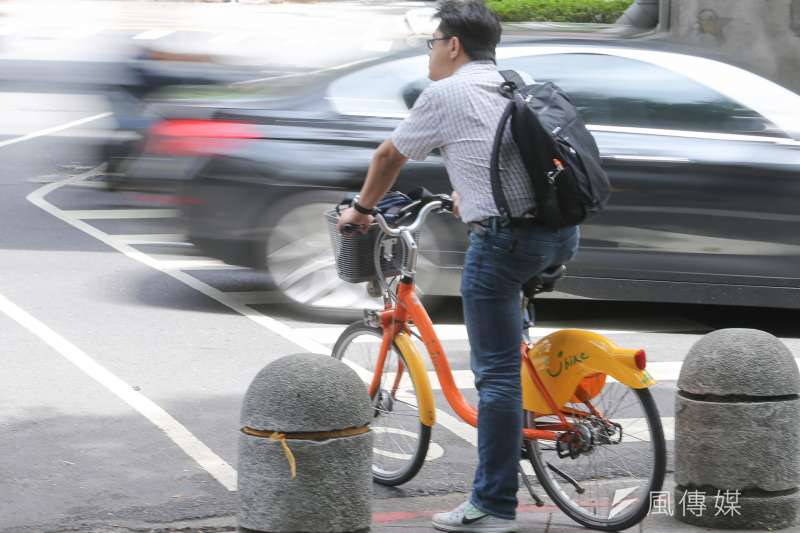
column 565, row 363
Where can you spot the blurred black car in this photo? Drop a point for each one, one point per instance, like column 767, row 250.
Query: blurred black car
column 148, row 75
column 704, row 159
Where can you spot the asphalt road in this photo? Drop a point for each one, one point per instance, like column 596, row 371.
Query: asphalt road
column 126, row 353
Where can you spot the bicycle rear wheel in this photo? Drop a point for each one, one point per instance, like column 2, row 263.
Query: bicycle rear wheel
column 400, row 438
column 607, row 482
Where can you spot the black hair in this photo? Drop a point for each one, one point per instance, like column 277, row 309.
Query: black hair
column 475, row 25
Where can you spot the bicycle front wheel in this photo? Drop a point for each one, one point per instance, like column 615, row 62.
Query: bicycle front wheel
column 603, row 475
column 400, row 438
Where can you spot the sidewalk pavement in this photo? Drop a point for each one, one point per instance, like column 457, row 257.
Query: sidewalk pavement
column 413, row 515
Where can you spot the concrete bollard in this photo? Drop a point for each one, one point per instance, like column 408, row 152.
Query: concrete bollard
column 310, row 413
column 737, row 433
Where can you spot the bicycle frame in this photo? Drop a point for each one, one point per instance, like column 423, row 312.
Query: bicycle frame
column 549, row 380
column 395, row 328
column 562, row 376
column 546, row 384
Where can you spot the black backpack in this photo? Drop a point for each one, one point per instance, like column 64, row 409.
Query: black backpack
column 558, row 152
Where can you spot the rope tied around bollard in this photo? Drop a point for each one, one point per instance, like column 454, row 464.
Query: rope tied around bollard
column 315, row 436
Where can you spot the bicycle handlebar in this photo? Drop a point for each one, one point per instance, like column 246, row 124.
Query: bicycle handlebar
column 440, row 201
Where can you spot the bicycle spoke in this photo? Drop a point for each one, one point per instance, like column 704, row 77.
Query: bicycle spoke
column 620, row 465
column 406, row 403
column 610, row 412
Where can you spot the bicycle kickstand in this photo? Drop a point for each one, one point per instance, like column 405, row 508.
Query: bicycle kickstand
column 527, row 482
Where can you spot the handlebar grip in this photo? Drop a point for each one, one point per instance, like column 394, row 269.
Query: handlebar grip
column 447, row 203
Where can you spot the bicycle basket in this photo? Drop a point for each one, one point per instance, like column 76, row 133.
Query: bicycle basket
column 354, row 252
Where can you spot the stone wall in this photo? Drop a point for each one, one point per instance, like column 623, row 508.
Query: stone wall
column 760, row 35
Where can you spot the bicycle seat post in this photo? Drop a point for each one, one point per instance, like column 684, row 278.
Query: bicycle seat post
column 544, row 282
column 528, row 316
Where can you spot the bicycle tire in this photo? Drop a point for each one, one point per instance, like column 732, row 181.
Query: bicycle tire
column 412, row 459
column 634, row 512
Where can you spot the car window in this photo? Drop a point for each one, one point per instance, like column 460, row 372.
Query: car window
column 380, row 90
column 618, row 91
column 608, row 90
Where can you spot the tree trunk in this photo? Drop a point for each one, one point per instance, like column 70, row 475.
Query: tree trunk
column 762, row 36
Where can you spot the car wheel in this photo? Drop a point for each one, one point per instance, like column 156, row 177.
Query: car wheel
column 299, row 258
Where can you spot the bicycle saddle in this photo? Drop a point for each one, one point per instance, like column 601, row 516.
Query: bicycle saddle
column 544, row 282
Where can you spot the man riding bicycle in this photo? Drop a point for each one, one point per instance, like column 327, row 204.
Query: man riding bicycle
column 458, row 114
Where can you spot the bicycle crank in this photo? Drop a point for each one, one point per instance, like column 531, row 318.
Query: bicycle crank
column 575, row 442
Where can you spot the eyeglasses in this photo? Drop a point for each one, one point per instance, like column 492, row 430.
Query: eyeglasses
column 431, row 41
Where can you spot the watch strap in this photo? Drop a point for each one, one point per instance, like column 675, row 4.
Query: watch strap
column 363, row 210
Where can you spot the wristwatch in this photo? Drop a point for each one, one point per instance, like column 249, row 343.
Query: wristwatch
column 361, row 209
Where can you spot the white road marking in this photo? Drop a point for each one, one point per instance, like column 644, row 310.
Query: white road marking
column 195, row 264
column 46, row 178
column 154, row 238
column 182, row 437
column 112, row 214
column 91, row 185
column 54, row 129
column 152, row 35
column 37, row 198
column 258, row 297
column 434, row 450
column 457, row 427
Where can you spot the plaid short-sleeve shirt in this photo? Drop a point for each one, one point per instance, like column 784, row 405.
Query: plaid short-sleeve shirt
column 459, row 115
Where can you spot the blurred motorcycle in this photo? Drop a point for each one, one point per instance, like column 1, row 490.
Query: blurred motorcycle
column 133, row 101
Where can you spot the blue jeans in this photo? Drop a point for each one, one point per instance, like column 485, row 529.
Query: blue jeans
column 497, row 264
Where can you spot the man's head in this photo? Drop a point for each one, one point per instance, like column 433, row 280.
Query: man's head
column 468, row 31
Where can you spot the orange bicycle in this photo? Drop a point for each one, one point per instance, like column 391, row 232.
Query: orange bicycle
column 592, row 432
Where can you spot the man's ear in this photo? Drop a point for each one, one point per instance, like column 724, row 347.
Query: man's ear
column 455, row 47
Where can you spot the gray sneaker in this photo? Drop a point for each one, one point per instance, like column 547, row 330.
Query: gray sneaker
column 469, row 519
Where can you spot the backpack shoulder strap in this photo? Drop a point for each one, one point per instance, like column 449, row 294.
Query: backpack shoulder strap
column 512, row 76
column 494, row 169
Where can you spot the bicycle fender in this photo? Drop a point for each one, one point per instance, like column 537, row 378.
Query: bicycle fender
column 575, row 364
column 416, row 367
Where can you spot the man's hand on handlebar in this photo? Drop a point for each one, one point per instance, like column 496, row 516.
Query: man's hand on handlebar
column 456, row 203
column 351, row 219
